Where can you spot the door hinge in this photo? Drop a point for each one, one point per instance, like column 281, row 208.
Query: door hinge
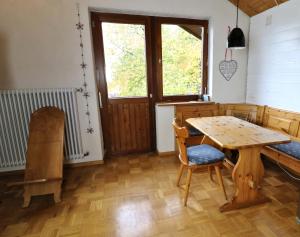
column 93, row 24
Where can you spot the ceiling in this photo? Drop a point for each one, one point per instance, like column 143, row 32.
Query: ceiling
column 253, row 7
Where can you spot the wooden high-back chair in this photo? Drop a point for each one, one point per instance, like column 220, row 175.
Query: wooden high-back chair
column 44, row 158
column 197, row 157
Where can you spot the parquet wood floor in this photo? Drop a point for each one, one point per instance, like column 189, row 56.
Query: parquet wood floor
column 137, row 196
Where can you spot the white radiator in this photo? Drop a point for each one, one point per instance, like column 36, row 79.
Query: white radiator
column 16, row 106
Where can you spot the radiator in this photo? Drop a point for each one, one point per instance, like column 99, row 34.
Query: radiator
column 16, row 107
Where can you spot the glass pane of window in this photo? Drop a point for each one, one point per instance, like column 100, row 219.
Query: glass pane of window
column 125, row 60
column 182, row 59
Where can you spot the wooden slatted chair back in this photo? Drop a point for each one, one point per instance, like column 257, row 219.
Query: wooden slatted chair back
column 181, row 135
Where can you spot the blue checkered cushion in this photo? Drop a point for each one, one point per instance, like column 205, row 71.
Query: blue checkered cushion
column 204, row 154
column 292, row 149
column 194, row 132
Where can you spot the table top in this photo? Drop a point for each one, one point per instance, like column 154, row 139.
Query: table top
column 233, row 133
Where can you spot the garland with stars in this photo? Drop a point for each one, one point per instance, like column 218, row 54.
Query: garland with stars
column 83, row 66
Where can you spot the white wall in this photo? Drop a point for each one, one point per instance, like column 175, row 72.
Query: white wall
column 39, row 46
column 164, row 131
column 274, row 58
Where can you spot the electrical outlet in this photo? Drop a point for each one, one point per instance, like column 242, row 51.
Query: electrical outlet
column 269, row 20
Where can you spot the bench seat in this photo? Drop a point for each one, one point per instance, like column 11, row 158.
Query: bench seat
column 279, row 156
column 292, row 149
column 193, row 132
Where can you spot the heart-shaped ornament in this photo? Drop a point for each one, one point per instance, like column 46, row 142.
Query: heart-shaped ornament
column 228, row 68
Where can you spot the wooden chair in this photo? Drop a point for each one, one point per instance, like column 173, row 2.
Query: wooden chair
column 44, row 158
column 197, row 157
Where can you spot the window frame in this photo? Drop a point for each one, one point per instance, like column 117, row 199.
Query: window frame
column 157, row 22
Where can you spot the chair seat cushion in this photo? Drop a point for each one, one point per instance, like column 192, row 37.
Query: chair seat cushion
column 193, row 132
column 292, row 148
column 204, row 154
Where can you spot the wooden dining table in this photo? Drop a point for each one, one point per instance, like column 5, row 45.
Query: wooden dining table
column 227, row 132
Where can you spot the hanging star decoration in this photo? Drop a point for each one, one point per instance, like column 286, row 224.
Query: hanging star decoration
column 83, row 66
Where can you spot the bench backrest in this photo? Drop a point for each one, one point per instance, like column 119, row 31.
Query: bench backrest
column 282, row 120
column 249, row 112
column 277, row 119
column 183, row 112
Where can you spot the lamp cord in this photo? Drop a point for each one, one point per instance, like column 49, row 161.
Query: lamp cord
column 287, row 172
column 237, row 13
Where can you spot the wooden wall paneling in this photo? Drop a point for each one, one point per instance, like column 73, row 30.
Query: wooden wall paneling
column 254, row 7
column 130, row 126
column 137, row 127
column 277, row 86
column 115, row 126
column 111, row 123
column 127, row 134
column 147, row 124
column 142, row 127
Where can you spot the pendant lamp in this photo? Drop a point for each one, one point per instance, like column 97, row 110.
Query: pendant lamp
column 236, row 38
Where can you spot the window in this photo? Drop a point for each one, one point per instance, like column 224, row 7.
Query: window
column 125, row 60
column 181, row 53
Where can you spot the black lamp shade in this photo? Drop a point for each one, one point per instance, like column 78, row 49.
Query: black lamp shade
column 236, row 39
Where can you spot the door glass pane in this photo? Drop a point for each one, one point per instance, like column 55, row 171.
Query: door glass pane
column 182, row 59
column 125, row 59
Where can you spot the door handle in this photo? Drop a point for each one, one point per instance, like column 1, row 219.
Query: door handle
column 100, row 100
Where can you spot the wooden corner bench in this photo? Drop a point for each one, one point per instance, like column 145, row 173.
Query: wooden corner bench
column 286, row 122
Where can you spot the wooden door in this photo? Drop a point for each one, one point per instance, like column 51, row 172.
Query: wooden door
column 122, row 51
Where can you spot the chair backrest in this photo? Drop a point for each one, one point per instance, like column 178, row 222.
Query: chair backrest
column 45, row 144
column 181, row 135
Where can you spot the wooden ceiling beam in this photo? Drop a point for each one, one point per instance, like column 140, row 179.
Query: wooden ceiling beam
column 254, row 7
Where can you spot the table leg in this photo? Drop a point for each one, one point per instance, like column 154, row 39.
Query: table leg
column 247, row 176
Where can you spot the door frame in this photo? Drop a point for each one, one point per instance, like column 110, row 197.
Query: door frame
column 99, row 57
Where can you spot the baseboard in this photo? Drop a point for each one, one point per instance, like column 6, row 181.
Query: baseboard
column 11, row 172
column 83, row 164
column 166, row 153
column 70, row 165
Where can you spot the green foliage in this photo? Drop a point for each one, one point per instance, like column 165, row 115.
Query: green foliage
column 181, row 53
column 126, row 61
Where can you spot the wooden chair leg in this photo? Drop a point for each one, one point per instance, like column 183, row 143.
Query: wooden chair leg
column 210, row 173
column 56, row 196
column 220, row 180
column 27, row 198
column 187, row 185
column 179, row 174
